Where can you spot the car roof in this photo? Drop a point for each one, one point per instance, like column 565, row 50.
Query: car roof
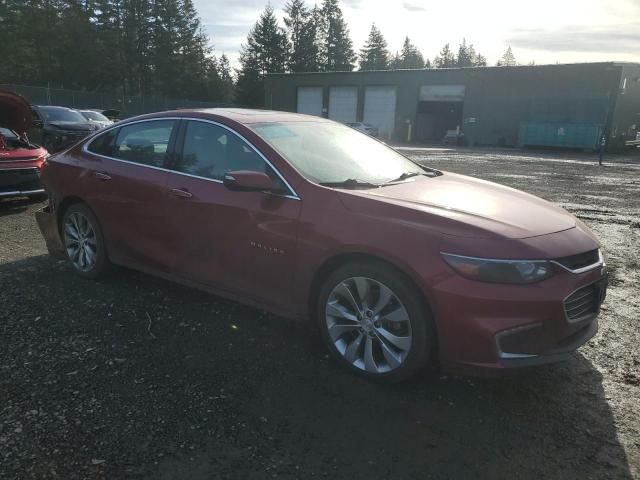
column 244, row 115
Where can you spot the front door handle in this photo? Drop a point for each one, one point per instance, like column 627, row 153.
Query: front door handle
column 102, row 176
column 179, row 192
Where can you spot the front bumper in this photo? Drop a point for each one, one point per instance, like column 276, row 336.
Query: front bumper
column 488, row 329
column 20, row 182
column 48, row 225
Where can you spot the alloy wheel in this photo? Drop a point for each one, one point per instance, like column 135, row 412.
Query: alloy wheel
column 80, row 242
column 368, row 325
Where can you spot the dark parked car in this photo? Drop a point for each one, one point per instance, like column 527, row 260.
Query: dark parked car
column 61, row 127
column 20, row 160
column 399, row 264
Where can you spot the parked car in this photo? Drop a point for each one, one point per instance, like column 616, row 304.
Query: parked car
column 20, row 160
column 61, row 127
column 111, row 114
column 95, row 116
column 399, row 264
column 365, row 128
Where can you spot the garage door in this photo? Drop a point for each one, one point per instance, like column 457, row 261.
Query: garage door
column 343, row 104
column 380, row 109
column 310, row 100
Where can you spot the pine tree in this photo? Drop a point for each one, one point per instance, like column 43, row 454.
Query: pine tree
column 226, row 79
column 302, row 29
column 337, row 47
column 395, row 62
column 128, row 46
column 446, row 59
column 468, row 57
column 508, row 59
column 265, row 52
column 374, row 55
column 410, row 57
column 480, row 61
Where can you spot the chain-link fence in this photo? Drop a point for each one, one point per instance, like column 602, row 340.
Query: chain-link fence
column 128, row 105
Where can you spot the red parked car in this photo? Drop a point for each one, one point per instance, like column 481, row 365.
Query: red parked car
column 400, row 265
column 20, row 160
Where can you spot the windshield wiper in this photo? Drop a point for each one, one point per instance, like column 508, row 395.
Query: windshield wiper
column 406, row 175
column 350, row 183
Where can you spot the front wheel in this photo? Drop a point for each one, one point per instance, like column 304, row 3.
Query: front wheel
column 374, row 321
column 83, row 241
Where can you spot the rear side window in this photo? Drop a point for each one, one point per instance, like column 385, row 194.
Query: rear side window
column 103, row 145
column 210, row 151
column 146, row 143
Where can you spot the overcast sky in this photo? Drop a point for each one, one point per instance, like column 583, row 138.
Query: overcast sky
column 544, row 31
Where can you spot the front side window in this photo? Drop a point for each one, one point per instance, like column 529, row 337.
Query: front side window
column 210, row 151
column 328, row 152
column 145, row 142
column 103, row 144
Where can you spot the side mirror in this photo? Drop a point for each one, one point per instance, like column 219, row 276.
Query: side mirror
column 37, row 123
column 249, row 181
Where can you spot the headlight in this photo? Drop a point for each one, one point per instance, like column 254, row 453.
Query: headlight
column 499, row 271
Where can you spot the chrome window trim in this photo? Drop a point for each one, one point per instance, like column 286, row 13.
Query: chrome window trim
column 588, row 268
column 293, row 195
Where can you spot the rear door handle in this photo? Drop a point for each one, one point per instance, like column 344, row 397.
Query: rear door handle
column 102, row 176
column 178, row 192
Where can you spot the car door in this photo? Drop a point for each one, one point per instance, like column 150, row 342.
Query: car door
column 242, row 242
column 128, row 192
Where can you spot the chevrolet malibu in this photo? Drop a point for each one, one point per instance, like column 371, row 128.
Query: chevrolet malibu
column 400, row 265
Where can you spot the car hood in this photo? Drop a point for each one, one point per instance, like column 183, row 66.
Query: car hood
column 465, row 206
column 21, row 154
column 15, row 112
column 73, row 126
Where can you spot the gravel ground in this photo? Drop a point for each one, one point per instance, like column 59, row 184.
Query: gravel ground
column 135, row 377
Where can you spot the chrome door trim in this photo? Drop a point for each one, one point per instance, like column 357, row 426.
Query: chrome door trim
column 293, row 195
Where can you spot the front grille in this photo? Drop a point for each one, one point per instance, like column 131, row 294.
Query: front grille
column 19, row 179
column 581, row 260
column 19, row 159
column 584, row 302
column 18, row 171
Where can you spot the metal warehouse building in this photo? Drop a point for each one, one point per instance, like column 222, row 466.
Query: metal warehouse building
column 549, row 105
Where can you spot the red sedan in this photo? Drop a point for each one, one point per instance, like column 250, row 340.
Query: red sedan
column 399, row 264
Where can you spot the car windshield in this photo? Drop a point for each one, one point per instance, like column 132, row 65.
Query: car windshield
column 326, row 152
column 58, row 114
column 98, row 117
column 5, row 132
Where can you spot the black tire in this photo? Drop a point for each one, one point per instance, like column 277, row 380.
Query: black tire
column 101, row 264
column 421, row 323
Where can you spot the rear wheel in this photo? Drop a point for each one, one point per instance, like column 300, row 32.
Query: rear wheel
column 374, row 322
column 83, row 241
